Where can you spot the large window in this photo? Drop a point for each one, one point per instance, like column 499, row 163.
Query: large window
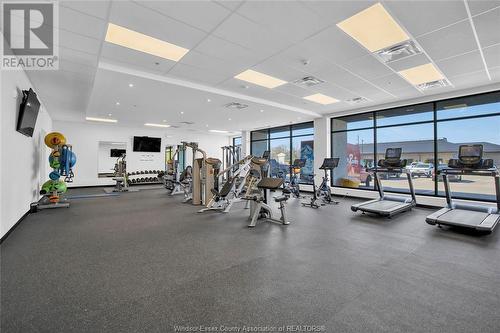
column 429, row 135
column 286, row 143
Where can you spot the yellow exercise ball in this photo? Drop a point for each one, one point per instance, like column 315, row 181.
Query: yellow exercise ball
column 54, row 139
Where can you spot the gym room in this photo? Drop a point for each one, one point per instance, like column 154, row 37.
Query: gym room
column 250, row 166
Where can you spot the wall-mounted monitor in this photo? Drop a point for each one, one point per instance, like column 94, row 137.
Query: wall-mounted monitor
column 117, row 152
column 147, row 144
column 28, row 112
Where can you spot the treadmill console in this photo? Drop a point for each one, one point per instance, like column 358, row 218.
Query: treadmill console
column 392, row 159
column 299, row 163
column 329, row 163
column 470, row 157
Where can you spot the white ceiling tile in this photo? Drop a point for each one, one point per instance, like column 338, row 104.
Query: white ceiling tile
column 419, row 17
column 229, row 4
column 205, row 15
column 337, row 11
column 335, row 91
column 470, row 79
column 69, row 66
column 228, row 67
column 368, row 67
column 95, row 8
column 394, row 83
column 303, row 58
column 293, row 20
column 256, row 38
column 479, row 6
column 136, row 59
column 292, row 89
column 152, row 23
column 335, row 45
column 196, row 74
column 470, row 62
column 492, row 55
column 226, row 50
column 78, row 57
column 281, row 71
column 82, row 24
column 451, row 41
column 488, row 27
column 409, row 62
column 495, row 74
column 78, row 42
column 243, row 87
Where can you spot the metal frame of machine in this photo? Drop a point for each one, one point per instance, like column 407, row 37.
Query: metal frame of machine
column 479, row 217
column 389, row 205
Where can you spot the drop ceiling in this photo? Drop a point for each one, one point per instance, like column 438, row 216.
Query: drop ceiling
column 288, row 40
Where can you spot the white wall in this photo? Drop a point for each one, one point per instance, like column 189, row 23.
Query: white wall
column 23, row 160
column 85, row 139
column 106, row 163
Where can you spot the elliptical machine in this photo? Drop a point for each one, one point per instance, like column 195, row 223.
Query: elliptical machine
column 323, row 192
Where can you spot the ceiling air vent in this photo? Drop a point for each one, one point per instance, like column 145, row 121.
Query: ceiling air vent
column 432, row 85
column 398, row 51
column 235, row 105
column 308, row 81
column 187, row 122
column 357, row 100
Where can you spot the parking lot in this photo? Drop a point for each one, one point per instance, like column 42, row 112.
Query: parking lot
column 476, row 185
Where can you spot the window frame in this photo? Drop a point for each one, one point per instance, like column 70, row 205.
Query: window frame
column 289, row 136
column 435, row 122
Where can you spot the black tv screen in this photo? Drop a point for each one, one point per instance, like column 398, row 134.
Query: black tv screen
column 117, row 152
column 28, row 112
column 145, row 143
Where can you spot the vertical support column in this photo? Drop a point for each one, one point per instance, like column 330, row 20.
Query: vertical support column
column 322, row 144
column 245, row 143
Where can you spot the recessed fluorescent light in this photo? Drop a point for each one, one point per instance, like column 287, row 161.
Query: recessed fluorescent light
column 218, row 131
column 421, row 74
column 156, row 125
column 105, row 120
column 130, row 85
column 260, row 79
column 321, row 99
column 117, row 143
column 137, row 41
column 374, row 28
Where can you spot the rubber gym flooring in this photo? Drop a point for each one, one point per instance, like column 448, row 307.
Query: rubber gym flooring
column 145, row 262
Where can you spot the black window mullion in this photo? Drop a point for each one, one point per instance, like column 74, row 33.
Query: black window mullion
column 436, row 153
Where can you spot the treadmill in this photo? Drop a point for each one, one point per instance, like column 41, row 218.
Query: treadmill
column 389, row 205
column 479, row 217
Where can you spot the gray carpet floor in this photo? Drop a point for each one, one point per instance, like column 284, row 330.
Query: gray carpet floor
column 145, row 262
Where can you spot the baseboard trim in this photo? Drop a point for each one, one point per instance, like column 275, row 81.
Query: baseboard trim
column 4, row 237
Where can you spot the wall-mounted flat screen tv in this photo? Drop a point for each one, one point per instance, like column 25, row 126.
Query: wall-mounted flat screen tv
column 28, row 112
column 117, row 152
column 147, row 144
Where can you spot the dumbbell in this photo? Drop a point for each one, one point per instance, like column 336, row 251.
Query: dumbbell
column 134, row 181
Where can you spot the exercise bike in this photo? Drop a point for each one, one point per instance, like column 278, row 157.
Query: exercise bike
column 293, row 186
column 322, row 194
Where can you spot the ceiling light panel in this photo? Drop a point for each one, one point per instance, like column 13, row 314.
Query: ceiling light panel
column 137, row 41
column 260, row 79
column 321, row 99
column 156, row 125
column 421, row 74
column 374, row 28
column 104, row 120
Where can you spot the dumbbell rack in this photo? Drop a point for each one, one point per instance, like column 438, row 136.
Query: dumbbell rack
column 143, row 177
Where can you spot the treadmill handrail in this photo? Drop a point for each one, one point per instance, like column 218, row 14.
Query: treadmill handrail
column 386, row 170
column 478, row 172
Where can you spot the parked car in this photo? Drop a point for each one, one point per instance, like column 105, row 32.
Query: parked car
column 451, row 178
column 421, row 169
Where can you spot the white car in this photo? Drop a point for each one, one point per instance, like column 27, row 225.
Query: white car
column 419, row 169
